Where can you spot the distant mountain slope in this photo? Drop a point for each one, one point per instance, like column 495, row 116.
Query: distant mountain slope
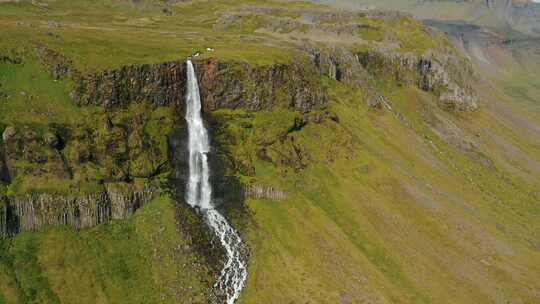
column 517, row 15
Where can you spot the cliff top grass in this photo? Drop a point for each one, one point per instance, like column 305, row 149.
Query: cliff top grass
column 99, row 35
column 109, row 34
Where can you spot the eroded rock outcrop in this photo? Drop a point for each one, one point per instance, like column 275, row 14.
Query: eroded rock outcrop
column 264, row 192
column 239, row 85
column 4, row 171
column 159, row 84
column 58, row 65
column 445, row 75
column 32, row 212
column 27, row 153
column 339, row 64
column 228, row 84
column 82, row 174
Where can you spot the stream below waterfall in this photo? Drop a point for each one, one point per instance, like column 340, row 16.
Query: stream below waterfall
column 199, row 194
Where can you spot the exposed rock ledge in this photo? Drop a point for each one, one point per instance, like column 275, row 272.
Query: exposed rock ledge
column 33, row 212
column 229, row 84
column 447, row 76
column 264, row 192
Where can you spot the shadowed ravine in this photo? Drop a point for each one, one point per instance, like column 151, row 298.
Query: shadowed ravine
column 199, row 194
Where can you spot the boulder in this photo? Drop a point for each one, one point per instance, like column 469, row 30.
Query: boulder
column 51, row 140
column 8, row 134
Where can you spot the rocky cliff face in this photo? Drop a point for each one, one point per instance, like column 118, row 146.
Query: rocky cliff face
column 140, row 134
column 83, row 174
column 4, row 171
column 232, row 85
column 47, row 176
column 32, row 212
column 444, row 75
column 27, row 153
column 343, row 65
column 340, row 64
column 264, row 192
column 56, row 64
column 239, row 85
column 112, row 147
column 159, row 84
column 131, row 142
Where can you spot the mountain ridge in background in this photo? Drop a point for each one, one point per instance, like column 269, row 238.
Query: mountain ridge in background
column 521, row 16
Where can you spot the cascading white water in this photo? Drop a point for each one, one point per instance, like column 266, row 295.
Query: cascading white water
column 199, row 193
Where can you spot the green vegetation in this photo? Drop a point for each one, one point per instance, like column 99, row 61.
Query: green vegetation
column 31, row 96
column 384, row 208
column 142, row 33
column 141, row 260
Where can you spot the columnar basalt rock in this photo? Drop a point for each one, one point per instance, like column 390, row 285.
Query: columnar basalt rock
column 264, row 192
column 343, row 65
column 239, row 85
column 230, row 84
column 159, row 84
column 80, row 175
column 33, row 212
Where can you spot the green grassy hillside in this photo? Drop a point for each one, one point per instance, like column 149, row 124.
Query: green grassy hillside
column 145, row 259
column 398, row 203
column 388, row 213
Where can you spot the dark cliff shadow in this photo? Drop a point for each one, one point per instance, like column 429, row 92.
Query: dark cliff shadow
column 9, row 220
column 191, row 224
column 227, row 196
column 4, row 171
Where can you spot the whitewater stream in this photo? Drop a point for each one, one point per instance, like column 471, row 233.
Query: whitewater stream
column 199, row 193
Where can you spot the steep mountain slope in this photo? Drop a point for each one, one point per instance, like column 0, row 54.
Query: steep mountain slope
column 504, row 15
column 364, row 157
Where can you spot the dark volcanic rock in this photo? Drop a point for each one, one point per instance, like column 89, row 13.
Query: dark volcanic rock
column 4, row 171
column 159, row 84
column 226, row 189
column 51, row 140
column 239, row 85
column 229, row 85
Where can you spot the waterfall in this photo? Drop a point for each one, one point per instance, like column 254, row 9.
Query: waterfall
column 199, row 191
column 199, row 194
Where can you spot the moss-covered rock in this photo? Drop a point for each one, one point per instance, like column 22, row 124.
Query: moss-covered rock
column 237, row 85
column 448, row 76
column 223, row 84
column 33, row 212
